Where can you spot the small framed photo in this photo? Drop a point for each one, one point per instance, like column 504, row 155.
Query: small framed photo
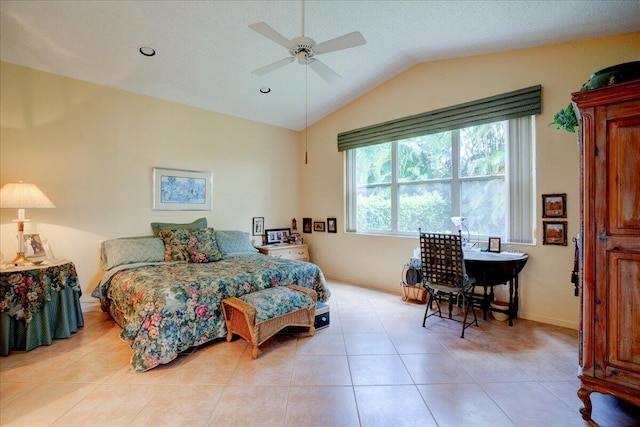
column 33, row 247
column 494, row 244
column 182, row 190
column 332, row 225
column 555, row 233
column 306, row 225
column 554, row 205
column 319, row 226
column 258, row 225
column 277, row 235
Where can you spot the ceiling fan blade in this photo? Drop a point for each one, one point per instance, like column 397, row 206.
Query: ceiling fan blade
column 327, row 74
column 343, row 42
column 272, row 67
column 270, row 33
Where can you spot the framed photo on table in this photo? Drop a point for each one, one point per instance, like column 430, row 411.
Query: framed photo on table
column 554, row 205
column 494, row 244
column 277, row 235
column 555, row 233
column 33, row 247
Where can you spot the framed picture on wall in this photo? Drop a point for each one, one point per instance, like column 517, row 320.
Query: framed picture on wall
column 258, row 225
column 306, row 225
column 182, row 190
column 332, row 225
column 554, row 233
column 554, row 205
column 319, row 226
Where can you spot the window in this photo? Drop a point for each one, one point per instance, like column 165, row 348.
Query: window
column 482, row 172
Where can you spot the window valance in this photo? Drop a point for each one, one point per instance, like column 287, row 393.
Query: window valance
column 510, row 105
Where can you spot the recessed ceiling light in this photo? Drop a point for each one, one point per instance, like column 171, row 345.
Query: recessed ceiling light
column 265, row 90
column 147, row 51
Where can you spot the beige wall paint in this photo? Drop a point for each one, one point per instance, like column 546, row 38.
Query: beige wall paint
column 377, row 261
column 91, row 150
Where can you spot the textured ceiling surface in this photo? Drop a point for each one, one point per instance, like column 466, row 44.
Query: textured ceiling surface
column 206, row 51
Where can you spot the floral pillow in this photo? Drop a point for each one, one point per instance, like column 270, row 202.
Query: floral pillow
column 191, row 245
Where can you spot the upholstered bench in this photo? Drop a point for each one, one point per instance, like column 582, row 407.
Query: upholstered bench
column 258, row 316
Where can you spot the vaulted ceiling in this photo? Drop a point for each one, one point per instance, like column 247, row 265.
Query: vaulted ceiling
column 205, row 50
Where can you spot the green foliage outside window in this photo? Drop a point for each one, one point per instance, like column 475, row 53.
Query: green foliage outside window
column 421, row 193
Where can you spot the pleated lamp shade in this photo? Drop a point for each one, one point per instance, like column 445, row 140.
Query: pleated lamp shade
column 19, row 195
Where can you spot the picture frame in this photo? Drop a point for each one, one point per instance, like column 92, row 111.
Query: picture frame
column 277, row 235
column 258, row 225
column 494, row 244
column 307, row 225
column 554, row 205
column 554, row 233
column 182, row 190
column 332, row 225
column 319, row 226
column 33, row 247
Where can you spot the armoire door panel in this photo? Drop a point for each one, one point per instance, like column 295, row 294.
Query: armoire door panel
column 622, row 362
column 623, row 164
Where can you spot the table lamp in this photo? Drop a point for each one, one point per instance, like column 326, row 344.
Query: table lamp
column 458, row 221
column 21, row 196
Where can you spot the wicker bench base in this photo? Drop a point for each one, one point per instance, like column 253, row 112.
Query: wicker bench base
column 240, row 317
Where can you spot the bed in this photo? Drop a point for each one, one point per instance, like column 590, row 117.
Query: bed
column 166, row 305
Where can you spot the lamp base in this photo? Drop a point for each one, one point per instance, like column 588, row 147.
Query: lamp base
column 20, row 259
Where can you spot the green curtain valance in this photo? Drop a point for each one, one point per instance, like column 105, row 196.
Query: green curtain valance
column 511, row 105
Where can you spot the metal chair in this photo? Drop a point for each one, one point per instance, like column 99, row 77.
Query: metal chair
column 444, row 276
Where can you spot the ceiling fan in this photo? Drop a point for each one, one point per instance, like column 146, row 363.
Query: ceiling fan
column 304, row 49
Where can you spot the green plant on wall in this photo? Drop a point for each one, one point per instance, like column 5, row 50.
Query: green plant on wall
column 565, row 119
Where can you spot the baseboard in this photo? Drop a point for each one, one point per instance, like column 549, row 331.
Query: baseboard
column 548, row 320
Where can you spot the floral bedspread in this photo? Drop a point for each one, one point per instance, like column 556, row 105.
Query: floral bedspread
column 24, row 291
column 166, row 308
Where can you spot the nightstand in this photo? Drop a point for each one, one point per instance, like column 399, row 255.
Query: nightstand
column 299, row 252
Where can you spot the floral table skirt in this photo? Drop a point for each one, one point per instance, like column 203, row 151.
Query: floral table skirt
column 48, row 307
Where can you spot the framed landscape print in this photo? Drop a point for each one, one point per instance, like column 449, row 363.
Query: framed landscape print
column 182, row 190
column 554, row 205
column 554, row 233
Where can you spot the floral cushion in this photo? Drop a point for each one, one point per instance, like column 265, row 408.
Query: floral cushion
column 273, row 302
column 191, row 245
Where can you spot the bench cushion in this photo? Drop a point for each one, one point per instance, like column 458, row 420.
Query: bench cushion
column 273, row 302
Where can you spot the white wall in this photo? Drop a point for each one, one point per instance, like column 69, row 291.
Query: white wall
column 91, row 150
column 377, row 261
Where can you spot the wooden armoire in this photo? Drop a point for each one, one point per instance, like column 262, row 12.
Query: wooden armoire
column 609, row 141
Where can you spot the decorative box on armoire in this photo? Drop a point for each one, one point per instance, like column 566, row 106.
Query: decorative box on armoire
column 609, row 141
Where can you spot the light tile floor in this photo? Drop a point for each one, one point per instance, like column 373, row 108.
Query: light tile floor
column 374, row 366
